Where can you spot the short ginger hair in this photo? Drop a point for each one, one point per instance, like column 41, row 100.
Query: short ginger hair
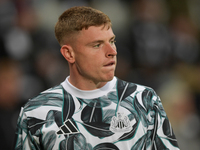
column 77, row 18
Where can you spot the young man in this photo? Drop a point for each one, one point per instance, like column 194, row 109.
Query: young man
column 92, row 109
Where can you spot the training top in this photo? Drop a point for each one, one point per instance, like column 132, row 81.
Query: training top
column 119, row 116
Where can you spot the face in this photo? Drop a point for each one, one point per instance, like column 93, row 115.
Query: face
column 95, row 54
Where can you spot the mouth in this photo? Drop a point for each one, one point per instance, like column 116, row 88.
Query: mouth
column 110, row 63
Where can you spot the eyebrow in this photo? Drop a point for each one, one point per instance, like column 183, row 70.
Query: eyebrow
column 101, row 41
column 112, row 38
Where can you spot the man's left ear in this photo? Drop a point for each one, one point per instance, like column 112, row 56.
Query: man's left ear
column 68, row 53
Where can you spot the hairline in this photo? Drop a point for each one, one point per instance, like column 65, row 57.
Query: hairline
column 69, row 39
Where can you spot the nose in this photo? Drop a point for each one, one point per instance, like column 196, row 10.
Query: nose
column 111, row 50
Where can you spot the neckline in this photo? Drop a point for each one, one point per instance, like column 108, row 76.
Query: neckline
column 91, row 94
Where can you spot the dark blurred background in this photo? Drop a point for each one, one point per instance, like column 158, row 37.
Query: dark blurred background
column 158, row 45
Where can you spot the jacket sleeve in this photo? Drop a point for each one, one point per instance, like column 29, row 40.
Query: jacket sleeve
column 23, row 137
column 161, row 132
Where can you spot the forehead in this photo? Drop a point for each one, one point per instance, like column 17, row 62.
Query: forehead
column 96, row 33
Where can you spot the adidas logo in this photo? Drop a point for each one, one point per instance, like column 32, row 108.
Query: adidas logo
column 67, row 128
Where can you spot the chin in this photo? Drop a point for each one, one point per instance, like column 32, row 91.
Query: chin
column 109, row 78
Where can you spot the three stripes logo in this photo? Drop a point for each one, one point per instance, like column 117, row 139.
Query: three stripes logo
column 67, row 128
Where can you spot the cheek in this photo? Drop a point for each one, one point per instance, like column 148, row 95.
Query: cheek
column 95, row 60
column 88, row 65
column 93, row 65
column 90, row 61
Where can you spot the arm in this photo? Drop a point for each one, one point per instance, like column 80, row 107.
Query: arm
column 162, row 135
column 23, row 137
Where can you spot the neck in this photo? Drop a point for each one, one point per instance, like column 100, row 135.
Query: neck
column 86, row 84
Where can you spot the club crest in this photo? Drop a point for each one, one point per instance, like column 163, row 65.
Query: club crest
column 120, row 123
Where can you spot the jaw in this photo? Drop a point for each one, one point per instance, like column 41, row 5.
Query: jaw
column 88, row 80
column 108, row 75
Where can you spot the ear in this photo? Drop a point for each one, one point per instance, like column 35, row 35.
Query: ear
column 68, row 53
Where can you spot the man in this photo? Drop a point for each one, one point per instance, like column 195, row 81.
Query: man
column 92, row 109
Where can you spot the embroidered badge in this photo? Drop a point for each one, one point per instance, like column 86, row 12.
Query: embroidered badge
column 121, row 123
column 68, row 128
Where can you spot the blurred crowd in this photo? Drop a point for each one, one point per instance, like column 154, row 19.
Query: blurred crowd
column 158, row 44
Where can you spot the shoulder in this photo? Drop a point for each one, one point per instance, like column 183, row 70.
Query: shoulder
column 138, row 94
column 135, row 88
column 52, row 97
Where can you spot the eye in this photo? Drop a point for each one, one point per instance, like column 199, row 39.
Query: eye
column 97, row 45
column 112, row 42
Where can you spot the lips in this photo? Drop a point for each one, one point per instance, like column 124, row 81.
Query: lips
column 110, row 63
